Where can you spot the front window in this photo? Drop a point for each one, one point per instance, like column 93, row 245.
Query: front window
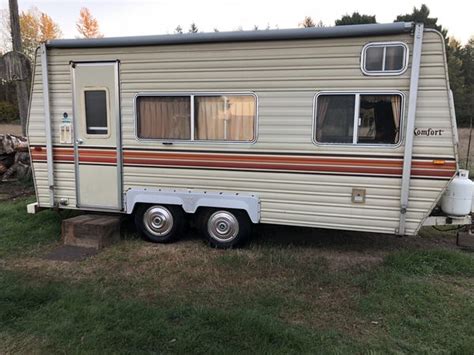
column 358, row 118
column 164, row 117
column 224, row 118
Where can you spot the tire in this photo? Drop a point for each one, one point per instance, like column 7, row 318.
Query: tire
column 225, row 229
column 159, row 223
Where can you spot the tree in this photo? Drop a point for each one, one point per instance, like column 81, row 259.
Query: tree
column 87, row 25
column 307, row 22
column 21, row 85
column 456, row 81
column 178, row 29
column 422, row 15
column 29, row 24
column 48, row 28
column 355, row 19
column 36, row 27
column 193, row 28
column 466, row 55
column 467, row 70
column 15, row 26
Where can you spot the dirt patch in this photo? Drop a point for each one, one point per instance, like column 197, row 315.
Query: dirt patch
column 14, row 189
column 7, row 128
column 70, row 253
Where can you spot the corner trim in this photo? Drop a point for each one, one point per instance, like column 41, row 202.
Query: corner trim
column 410, row 122
column 47, row 123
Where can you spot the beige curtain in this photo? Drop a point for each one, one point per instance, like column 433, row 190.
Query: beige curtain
column 323, row 104
column 396, row 109
column 225, row 118
column 164, row 117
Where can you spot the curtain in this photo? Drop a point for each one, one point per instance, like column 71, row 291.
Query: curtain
column 225, row 117
column 162, row 117
column 396, row 109
column 323, row 104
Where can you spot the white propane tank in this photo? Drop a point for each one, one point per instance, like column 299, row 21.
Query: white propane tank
column 457, row 199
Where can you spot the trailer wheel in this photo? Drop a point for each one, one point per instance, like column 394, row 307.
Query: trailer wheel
column 225, row 229
column 159, row 223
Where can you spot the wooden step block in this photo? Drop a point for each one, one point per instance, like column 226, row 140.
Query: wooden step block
column 91, row 231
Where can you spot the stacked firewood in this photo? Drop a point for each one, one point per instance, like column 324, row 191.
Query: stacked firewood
column 14, row 157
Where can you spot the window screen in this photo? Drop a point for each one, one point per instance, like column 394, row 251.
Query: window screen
column 164, row 117
column 374, row 59
column 378, row 121
column 225, row 118
column 394, row 58
column 96, row 111
column 335, row 118
column 384, row 58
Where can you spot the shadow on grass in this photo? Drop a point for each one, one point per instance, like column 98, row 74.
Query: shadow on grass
column 278, row 236
column 71, row 318
column 23, row 233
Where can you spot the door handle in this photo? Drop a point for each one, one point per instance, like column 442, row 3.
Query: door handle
column 79, row 141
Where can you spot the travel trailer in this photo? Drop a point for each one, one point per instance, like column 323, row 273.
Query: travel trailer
column 349, row 128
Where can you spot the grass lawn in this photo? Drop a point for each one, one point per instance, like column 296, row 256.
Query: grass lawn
column 293, row 290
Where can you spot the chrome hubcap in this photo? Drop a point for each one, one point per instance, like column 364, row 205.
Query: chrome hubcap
column 223, row 226
column 158, row 220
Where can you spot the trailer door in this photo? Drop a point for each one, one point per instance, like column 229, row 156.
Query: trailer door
column 96, row 101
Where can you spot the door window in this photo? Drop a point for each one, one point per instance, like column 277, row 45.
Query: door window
column 96, row 111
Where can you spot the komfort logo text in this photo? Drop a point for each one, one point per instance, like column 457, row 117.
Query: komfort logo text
column 428, row 132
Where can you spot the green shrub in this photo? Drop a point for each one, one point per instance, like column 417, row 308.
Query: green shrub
column 8, row 112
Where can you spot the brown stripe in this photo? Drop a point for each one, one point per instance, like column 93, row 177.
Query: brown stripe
column 255, row 161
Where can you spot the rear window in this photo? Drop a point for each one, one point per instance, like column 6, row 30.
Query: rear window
column 389, row 58
column 358, row 118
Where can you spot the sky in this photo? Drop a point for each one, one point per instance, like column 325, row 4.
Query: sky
column 146, row 17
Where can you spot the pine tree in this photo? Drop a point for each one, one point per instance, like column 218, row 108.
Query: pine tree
column 307, row 22
column 193, row 28
column 355, row 19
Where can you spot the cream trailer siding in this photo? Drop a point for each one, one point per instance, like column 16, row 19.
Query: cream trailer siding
column 298, row 181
